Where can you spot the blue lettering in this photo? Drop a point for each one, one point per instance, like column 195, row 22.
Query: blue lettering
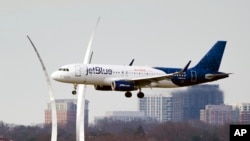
column 90, row 70
column 98, row 70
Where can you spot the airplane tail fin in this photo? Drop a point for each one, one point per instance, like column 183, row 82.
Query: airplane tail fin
column 211, row 61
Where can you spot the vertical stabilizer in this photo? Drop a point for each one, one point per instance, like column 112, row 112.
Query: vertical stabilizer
column 211, row 61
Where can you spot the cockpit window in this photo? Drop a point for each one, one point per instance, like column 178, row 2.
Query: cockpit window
column 63, row 69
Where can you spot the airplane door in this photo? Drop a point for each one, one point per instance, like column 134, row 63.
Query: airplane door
column 193, row 76
column 78, row 71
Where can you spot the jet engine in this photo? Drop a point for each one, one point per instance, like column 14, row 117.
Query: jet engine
column 122, row 85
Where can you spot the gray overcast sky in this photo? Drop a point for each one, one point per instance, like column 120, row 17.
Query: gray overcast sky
column 155, row 33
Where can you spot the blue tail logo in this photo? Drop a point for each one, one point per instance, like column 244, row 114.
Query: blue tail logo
column 211, row 61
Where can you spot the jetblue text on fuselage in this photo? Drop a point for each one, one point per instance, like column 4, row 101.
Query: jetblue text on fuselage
column 98, row 70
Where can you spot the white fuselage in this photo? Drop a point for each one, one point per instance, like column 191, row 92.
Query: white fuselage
column 104, row 75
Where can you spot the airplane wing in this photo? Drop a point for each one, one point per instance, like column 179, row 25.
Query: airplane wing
column 147, row 80
column 150, row 79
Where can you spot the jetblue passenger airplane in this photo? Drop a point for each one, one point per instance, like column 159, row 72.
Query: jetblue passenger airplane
column 130, row 78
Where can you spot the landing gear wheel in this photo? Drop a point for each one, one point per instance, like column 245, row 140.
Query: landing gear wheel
column 128, row 94
column 140, row 94
column 74, row 92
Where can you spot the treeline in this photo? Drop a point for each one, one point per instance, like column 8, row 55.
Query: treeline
column 107, row 130
column 36, row 132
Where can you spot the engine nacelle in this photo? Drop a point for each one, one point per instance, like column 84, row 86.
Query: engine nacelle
column 123, row 86
column 103, row 88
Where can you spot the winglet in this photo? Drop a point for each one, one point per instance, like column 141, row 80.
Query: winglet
column 186, row 67
column 131, row 63
column 91, row 55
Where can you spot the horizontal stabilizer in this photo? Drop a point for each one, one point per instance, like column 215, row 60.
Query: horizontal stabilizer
column 220, row 75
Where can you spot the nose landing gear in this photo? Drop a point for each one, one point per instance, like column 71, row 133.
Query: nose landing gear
column 75, row 88
column 74, row 92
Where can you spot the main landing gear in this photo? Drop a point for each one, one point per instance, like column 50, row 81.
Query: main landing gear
column 128, row 94
column 75, row 88
column 140, row 94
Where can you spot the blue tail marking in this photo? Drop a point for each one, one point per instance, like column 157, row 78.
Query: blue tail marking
column 211, row 61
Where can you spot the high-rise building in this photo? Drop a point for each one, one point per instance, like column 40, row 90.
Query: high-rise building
column 66, row 111
column 216, row 114
column 243, row 112
column 157, row 106
column 188, row 103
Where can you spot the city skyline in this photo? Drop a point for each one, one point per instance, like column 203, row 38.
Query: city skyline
column 157, row 33
column 203, row 102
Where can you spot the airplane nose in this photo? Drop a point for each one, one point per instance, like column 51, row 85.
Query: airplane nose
column 55, row 76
